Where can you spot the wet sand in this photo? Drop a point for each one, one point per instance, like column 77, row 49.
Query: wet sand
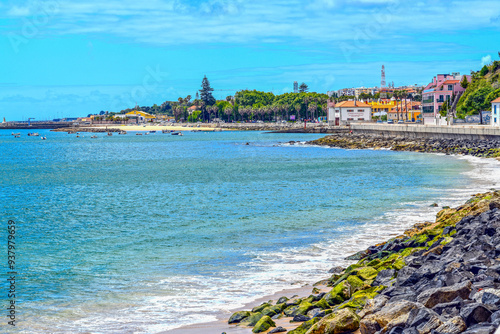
column 221, row 325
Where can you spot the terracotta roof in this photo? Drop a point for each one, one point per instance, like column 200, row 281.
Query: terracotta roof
column 350, row 104
column 449, row 82
column 497, row 100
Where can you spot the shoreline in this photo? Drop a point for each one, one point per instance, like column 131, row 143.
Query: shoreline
column 221, row 324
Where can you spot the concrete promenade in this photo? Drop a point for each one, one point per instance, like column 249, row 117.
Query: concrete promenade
column 428, row 131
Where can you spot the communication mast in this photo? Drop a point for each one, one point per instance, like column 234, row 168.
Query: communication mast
column 295, row 87
column 382, row 83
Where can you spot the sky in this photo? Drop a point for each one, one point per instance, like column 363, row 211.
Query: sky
column 64, row 58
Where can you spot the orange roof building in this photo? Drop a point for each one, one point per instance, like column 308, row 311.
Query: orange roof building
column 346, row 112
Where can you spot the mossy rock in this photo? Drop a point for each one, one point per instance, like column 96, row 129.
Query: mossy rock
column 282, row 300
column 261, row 307
column 356, row 283
column 352, row 267
column 366, row 273
column 373, row 263
column 322, row 304
column 398, row 264
column 237, row 317
column 252, row 320
column 339, row 293
column 358, row 299
column 302, row 308
column 263, row 324
column 341, row 321
column 304, row 327
column 271, row 311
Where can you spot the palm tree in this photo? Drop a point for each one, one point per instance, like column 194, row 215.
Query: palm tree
column 297, row 108
column 312, row 108
column 228, row 111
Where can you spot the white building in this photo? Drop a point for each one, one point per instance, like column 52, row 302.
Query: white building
column 495, row 112
column 348, row 112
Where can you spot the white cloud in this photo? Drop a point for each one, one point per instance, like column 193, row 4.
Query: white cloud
column 18, row 11
column 486, row 60
column 163, row 22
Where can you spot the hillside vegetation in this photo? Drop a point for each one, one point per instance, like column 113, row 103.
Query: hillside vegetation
column 484, row 88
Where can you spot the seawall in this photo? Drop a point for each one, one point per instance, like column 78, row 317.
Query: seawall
column 428, row 131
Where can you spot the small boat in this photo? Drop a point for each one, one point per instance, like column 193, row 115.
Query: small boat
column 94, row 136
column 35, row 134
column 153, row 131
column 43, row 138
column 175, row 133
column 138, row 134
column 16, row 134
column 147, row 133
column 110, row 133
column 122, row 132
column 77, row 136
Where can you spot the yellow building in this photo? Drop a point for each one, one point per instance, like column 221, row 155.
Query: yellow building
column 143, row 114
column 382, row 107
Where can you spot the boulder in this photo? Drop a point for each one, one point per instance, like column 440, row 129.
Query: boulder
column 282, row 300
column 481, row 329
column 356, row 283
column 300, row 318
column 453, row 326
column 260, row 308
column 408, row 276
column 278, row 329
column 339, row 293
column 302, row 308
column 432, row 297
column 263, row 324
column 342, row 321
column 390, row 316
column 252, row 319
column 475, row 313
column 304, row 327
column 366, row 273
column 383, row 277
column 237, row 317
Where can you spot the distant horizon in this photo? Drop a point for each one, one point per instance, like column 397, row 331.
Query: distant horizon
column 68, row 58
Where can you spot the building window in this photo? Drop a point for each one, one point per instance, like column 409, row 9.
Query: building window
column 350, row 119
column 495, row 120
column 495, row 110
column 450, row 87
column 349, row 110
column 360, row 110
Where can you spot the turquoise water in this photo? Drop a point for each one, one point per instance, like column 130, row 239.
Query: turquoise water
column 139, row 234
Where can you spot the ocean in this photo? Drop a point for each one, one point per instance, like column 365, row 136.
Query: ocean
column 142, row 234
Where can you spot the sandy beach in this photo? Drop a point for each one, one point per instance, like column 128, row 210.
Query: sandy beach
column 157, row 127
column 221, row 325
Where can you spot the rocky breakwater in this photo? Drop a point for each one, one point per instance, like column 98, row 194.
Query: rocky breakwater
column 440, row 277
column 480, row 148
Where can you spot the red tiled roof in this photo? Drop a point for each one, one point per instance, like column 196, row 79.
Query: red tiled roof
column 497, row 100
column 350, row 104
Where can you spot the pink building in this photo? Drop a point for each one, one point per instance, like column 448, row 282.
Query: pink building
column 441, row 89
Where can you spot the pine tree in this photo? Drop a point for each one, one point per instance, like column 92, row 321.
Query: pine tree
column 464, row 83
column 206, row 92
column 303, row 88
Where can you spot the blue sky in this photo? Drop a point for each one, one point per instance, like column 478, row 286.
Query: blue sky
column 71, row 58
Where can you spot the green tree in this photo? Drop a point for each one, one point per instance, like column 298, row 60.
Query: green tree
column 484, row 71
column 444, row 109
column 206, row 92
column 303, row 88
column 464, row 83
